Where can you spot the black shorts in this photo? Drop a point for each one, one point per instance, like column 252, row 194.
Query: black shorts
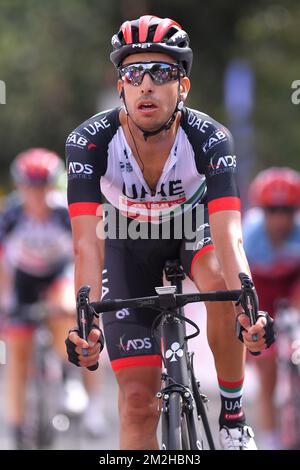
column 133, row 268
column 29, row 289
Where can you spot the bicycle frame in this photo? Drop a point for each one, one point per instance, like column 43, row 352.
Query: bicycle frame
column 180, row 383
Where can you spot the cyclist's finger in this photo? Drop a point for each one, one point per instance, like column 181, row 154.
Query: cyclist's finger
column 93, row 337
column 254, row 348
column 258, row 327
column 244, row 320
column 94, row 350
column 255, row 345
column 75, row 338
column 249, row 336
column 88, row 360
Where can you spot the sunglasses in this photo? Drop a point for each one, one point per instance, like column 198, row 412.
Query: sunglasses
column 160, row 72
column 278, row 209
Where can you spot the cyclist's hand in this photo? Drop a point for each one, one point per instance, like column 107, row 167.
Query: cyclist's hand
column 263, row 330
column 85, row 353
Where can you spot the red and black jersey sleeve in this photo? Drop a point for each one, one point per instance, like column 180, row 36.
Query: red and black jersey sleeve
column 220, row 167
column 215, row 158
column 86, row 155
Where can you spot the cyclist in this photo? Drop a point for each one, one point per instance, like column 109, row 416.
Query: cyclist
column 36, row 256
column 148, row 155
column 272, row 245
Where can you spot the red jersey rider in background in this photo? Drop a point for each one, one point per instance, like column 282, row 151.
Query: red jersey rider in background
column 272, row 245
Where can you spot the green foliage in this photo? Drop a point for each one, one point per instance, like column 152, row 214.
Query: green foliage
column 52, row 54
column 54, row 58
column 270, row 39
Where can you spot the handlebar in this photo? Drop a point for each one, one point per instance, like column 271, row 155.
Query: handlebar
column 167, row 300
column 160, row 301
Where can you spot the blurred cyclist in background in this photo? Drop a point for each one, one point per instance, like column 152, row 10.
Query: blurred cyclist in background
column 36, row 269
column 272, row 245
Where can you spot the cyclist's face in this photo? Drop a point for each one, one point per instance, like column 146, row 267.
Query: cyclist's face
column 151, row 104
column 279, row 224
column 35, row 199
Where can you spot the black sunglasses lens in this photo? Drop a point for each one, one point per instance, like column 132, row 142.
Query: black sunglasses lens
column 133, row 74
column 162, row 73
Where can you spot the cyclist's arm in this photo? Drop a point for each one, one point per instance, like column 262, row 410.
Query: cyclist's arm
column 89, row 253
column 86, row 164
column 227, row 237
column 219, row 166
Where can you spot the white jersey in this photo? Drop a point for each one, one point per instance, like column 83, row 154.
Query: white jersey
column 102, row 168
column 35, row 247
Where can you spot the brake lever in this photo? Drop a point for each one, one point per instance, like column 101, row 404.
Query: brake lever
column 85, row 318
column 249, row 302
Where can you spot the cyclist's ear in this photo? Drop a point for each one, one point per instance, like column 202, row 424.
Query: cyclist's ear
column 120, row 88
column 184, row 88
column 121, row 95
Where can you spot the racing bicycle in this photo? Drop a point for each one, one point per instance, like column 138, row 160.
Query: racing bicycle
column 184, row 420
